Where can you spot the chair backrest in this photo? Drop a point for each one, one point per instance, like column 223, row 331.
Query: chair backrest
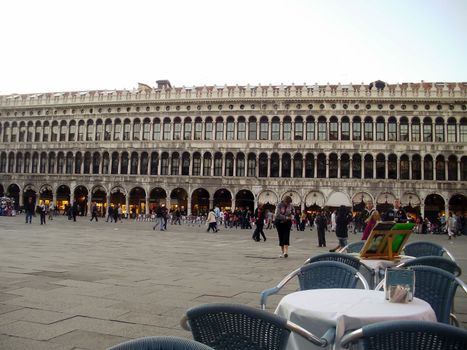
column 435, row 261
column 160, row 343
column 407, row 335
column 354, row 247
column 437, row 287
column 348, row 260
column 230, row 326
column 327, row 274
column 423, row 248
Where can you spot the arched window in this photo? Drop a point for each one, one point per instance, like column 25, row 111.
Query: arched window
column 439, row 130
column 198, row 129
column 264, row 128
column 187, row 129
column 404, row 167
column 35, row 163
column 298, row 129
column 81, row 130
column 69, row 163
column 404, row 129
column 440, row 168
column 108, row 130
column 380, row 129
column 252, row 128
column 19, row 163
column 219, row 128
column 416, row 130
column 43, row 163
column 451, row 128
column 333, row 166
column 356, row 166
column 229, row 164
column 322, row 129
column 3, row 162
column 392, row 129
column 46, row 131
column 63, row 131
column 136, row 130
column 463, row 130
column 380, row 166
column 87, row 163
column 251, row 165
column 126, row 130
column 416, row 167
column 117, row 130
column 27, row 162
column 134, row 163
column 368, row 166
column 263, row 165
column 230, row 129
column 298, row 165
column 60, row 163
column 165, row 163
column 287, row 128
column 29, row 134
column 240, row 164
column 428, row 167
column 208, row 129
column 146, row 129
column 464, row 168
column 154, row 163
column 309, row 165
column 105, row 163
column 11, row 162
column 186, row 164
column 218, row 164
column 345, row 166
column 310, row 128
column 452, row 168
column 115, row 162
column 90, row 131
column 274, row 166
column 333, row 129
column 427, row 130
column 144, row 163
column 166, row 130
column 6, row 132
column 177, row 134
column 14, row 132
column 321, row 166
column 368, row 129
column 286, row 165
column 241, row 128
column 392, row 166
column 196, row 164
column 22, row 132
column 72, row 131
column 175, row 166
column 124, row 163
column 207, row 161
column 51, row 168
column 156, row 129
column 356, row 128
column 345, row 129
column 275, row 129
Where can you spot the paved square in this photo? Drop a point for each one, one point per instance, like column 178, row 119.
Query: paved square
column 87, row 285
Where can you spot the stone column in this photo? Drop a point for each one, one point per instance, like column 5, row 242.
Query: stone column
column 338, row 167
column 350, row 167
column 127, row 205
column 386, row 168
column 89, row 204
column 374, row 167
column 410, row 168
column 233, row 204
column 146, row 205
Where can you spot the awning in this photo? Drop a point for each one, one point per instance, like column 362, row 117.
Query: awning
column 267, row 197
column 314, row 198
column 336, row 199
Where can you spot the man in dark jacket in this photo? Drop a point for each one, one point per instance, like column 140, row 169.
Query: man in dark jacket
column 321, row 226
column 29, row 208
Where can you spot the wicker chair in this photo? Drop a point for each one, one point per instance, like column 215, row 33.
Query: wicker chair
column 407, row 335
column 435, row 261
column 354, row 247
column 320, row 274
column 350, row 260
column 240, row 327
column 425, row 248
column 160, row 343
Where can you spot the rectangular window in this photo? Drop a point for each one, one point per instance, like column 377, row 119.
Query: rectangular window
column 218, row 167
column 207, row 166
column 263, row 131
column 175, row 166
column 427, row 133
column 187, row 132
column 251, row 167
column 196, row 166
column 379, row 131
column 416, row 132
column 333, row 132
column 356, row 131
column 322, row 131
column 117, row 131
column 208, row 131
column 404, row 132
column 146, row 131
column 198, row 131
column 177, row 131
column 252, row 130
column 287, row 133
column 439, row 129
column 136, row 131
column 54, row 133
column 99, row 128
column 164, row 166
column 241, row 167
column 452, row 133
column 219, row 130
column 90, row 132
column 298, row 131
column 462, row 132
column 368, row 131
column 230, row 130
column 107, row 132
column 166, row 131
column 45, row 134
column 392, row 132
column 156, row 132
column 126, row 131
column 241, row 132
column 71, row 135
column 345, row 131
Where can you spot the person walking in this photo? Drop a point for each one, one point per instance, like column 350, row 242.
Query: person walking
column 42, row 212
column 371, row 216
column 284, row 214
column 321, row 227
column 452, row 226
column 29, row 208
column 396, row 214
column 212, row 221
column 93, row 212
column 343, row 218
column 110, row 213
column 259, row 222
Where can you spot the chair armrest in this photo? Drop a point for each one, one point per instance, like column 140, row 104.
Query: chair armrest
column 462, row 284
column 364, row 281
column 184, row 323
column 450, row 255
column 324, row 341
column 350, row 338
column 380, row 284
column 267, row 292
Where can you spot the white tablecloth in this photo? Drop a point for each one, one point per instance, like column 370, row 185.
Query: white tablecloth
column 347, row 309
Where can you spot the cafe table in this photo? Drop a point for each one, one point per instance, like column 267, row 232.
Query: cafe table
column 346, row 309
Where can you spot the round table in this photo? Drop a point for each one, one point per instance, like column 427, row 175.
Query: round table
column 347, row 309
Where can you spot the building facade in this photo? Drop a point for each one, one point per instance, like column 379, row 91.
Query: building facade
column 237, row 146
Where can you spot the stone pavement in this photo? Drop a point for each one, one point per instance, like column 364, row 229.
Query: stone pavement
column 86, row 285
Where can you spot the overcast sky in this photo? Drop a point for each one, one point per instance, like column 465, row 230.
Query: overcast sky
column 65, row 45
